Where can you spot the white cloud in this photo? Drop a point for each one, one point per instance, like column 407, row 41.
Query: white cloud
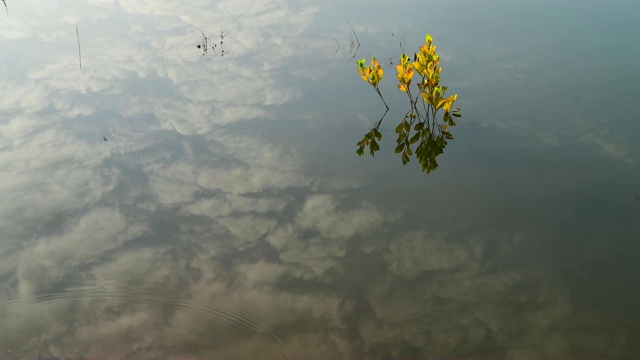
column 322, row 213
column 610, row 145
column 50, row 176
column 47, row 261
column 26, row 97
column 317, row 237
column 229, row 203
column 173, row 183
column 415, row 252
column 147, row 267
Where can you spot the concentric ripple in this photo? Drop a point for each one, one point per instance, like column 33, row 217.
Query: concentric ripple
column 601, row 250
column 108, row 294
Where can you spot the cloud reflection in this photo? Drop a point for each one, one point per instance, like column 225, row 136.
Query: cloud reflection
column 189, row 233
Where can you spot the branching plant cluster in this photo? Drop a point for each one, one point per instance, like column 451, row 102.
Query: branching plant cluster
column 420, row 125
column 206, row 46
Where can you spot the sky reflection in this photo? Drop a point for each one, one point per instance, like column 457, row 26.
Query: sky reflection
column 227, row 214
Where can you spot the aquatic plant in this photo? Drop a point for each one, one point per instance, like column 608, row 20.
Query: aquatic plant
column 420, row 124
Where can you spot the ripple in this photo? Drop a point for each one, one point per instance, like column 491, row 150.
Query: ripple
column 601, row 250
column 109, row 294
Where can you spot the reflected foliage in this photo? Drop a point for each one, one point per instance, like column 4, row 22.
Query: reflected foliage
column 420, row 126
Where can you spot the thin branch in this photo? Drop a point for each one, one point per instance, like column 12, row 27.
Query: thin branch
column 79, row 53
column 380, row 94
column 377, row 125
column 205, row 44
column 356, row 36
column 5, row 7
column 337, row 47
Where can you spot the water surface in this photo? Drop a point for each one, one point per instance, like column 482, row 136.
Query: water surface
column 163, row 202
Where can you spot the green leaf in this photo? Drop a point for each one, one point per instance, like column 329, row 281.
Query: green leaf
column 418, row 126
column 406, row 125
column 399, row 148
column 456, row 114
column 377, row 134
column 399, row 128
column 415, row 138
column 405, row 158
column 428, row 39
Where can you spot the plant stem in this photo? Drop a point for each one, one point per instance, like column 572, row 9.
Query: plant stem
column 381, row 98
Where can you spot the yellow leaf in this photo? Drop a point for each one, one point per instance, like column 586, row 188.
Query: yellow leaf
column 363, row 75
column 449, row 102
column 426, row 97
column 409, row 74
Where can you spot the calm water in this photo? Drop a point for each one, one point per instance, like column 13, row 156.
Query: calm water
column 165, row 202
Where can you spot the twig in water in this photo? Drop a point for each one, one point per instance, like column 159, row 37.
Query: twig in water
column 79, row 53
column 206, row 47
column 205, row 44
column 353, row 32
column 222, row 53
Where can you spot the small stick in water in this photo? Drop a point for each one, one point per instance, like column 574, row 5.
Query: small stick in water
column 352, row 43
column 79, row 53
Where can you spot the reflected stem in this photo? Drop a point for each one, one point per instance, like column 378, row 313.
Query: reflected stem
column 377, row 125
column 356, row 36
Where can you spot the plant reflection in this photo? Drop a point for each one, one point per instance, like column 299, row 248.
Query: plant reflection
column 206, row 47
column 420, row 124
column 353, row 39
